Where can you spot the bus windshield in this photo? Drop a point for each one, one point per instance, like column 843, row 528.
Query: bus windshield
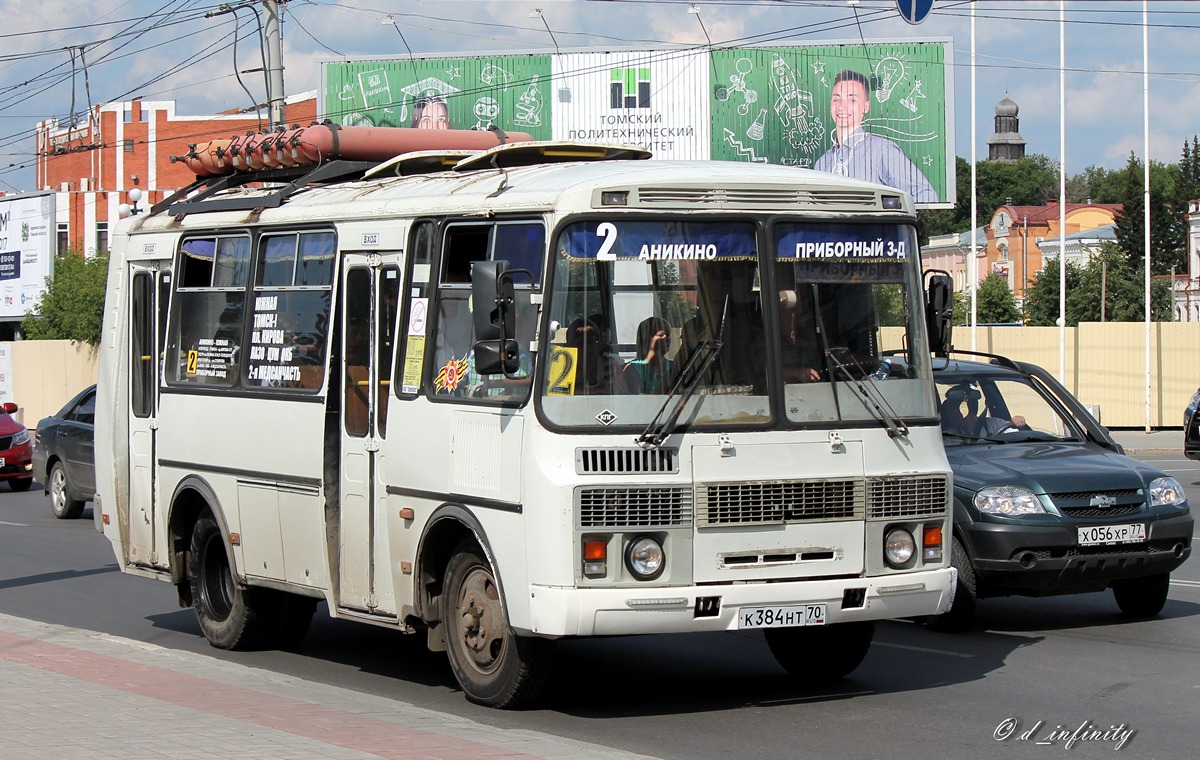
column 794, row 328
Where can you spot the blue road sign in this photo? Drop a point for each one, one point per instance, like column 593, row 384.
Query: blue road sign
column 914, row 11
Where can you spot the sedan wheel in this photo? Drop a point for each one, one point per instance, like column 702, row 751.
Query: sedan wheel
column 65, row 508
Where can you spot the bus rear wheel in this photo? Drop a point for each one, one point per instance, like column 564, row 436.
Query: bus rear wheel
column 494, row 666
column 821, row 654
column 229, row 615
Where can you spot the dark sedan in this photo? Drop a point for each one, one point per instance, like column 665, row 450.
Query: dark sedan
column 64, row 455
column 1045, row 502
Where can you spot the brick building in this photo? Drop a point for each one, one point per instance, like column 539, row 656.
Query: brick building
column 93, row 165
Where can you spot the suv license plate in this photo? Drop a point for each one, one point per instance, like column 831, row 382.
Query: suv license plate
column 781, row 617
column 1098, row 535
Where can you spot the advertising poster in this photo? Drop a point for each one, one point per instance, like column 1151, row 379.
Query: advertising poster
column 877, row 112
column 880, row 111
column 635, row 98
column 26, row 252
column 510, row 92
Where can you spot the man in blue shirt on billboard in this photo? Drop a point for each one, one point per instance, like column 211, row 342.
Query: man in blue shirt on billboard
column 859, row 154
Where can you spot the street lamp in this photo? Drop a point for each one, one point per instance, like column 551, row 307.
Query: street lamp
column 129, row 209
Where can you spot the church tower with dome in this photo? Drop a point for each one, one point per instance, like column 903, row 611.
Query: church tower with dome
column 1006, row 144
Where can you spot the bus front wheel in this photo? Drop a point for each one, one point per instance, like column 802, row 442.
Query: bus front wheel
column 228, row 614
column 821, row 654
column 494, row 666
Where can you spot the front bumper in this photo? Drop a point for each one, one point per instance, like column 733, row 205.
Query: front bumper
column 558, row 611
column 1037, row 561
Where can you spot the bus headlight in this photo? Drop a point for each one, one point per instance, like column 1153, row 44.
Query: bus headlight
column 645, row 559
column 898, row 547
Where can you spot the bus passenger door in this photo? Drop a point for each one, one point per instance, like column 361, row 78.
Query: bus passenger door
column 149, row 292
column 370, row 290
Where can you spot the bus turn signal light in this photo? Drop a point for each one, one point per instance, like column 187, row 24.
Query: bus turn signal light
column 595, row 558
column 931, row 542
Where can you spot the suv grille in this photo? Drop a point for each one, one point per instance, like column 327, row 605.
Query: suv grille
column 633, row 507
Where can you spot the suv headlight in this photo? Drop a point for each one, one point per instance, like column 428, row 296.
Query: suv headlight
column 1166, row 491
column 1008, row 501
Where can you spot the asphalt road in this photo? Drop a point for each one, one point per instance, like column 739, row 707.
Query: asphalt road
column 1037, row 671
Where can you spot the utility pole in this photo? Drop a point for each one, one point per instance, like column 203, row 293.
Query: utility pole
column 274, row 64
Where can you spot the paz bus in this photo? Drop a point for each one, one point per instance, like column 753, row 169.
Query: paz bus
column 501, row 396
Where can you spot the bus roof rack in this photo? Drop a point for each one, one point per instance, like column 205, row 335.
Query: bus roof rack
column 294, row 179
column 533, row 153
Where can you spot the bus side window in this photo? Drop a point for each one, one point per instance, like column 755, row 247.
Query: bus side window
column 410, row 360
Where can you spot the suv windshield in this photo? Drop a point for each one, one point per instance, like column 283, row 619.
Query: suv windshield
column 801, row 322
column 999, row 409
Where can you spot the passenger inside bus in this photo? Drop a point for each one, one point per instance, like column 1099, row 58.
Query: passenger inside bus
column 653, row 371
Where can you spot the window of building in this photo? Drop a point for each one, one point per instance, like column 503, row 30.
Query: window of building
column 128, row 145
column 101, row 237
column 64, row 238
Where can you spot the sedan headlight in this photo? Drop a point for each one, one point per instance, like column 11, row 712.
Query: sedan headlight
column 1166, row 491
column 1008, row 501
column 21, row 438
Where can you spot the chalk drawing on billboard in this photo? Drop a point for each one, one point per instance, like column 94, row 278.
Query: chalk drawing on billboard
column 529, row 106
column 494, row 76
column 742, row 68
column 486, row 111
column 915, row 94
column 454, row 72
column 889, row 73
column 794, row 108
column 743, row 150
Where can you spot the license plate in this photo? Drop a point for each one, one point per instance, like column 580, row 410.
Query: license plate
column 1, row 461
column 1096, row 535
column 781, row 617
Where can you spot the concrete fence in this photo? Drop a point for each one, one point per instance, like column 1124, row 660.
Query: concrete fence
column 45, row 374
column 1106, row 367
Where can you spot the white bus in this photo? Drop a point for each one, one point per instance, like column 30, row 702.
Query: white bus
column 540, row 391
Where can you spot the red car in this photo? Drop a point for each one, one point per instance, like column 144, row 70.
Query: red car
column 16, row 451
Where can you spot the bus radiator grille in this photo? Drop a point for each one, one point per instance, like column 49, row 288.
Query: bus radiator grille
column 907, row 496
column 784, row 501
column 639, row 507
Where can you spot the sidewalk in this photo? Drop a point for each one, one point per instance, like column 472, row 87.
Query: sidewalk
column 86, row 695
column 1157, row 442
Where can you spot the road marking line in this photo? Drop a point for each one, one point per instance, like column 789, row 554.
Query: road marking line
column 15, row 525
column 1186, row 584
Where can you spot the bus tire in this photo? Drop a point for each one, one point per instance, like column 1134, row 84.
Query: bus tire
column 494, row 666
column 819, row 655
column 65, row 508
column 230, row 616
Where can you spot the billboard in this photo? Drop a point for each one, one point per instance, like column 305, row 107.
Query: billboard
column 880, row 111
column 26, row 251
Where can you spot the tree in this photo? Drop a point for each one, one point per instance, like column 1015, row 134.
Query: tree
column 1123, row 287
column 1189, row 169
column 1167, row 233
column 1041, row 297
column 995, row 301
column 72, row 307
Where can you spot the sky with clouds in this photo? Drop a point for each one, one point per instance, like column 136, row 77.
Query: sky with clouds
column 59, row 55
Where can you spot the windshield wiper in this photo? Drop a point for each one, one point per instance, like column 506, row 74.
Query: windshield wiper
column 684, row 388
column 874, row 400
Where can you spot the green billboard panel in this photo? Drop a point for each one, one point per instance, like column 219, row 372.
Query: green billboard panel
column 509, row 92
column 878, row 112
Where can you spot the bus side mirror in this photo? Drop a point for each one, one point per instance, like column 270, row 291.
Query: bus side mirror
column 939, row 310
column 494, row 311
